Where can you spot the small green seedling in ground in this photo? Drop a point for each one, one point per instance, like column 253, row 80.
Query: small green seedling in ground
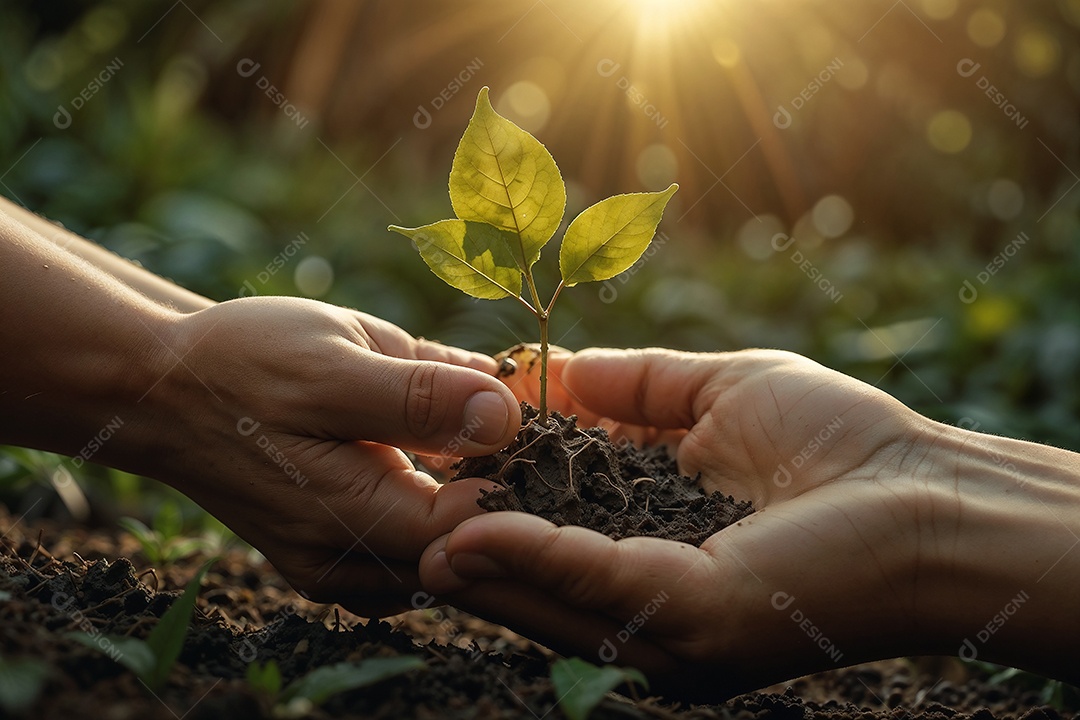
column 164, row 544
column 265, row 680
column 509, row 199
column 153, row 658
column 21, row 682
column 319, row 685
column 580, row 685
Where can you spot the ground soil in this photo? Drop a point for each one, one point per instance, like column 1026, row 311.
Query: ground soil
column 577, row 476
column 56, row 578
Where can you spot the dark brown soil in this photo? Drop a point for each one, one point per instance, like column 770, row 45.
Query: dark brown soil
column 54, row 580
column 575, row 476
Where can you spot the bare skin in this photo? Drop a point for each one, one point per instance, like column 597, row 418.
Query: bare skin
column 281, row 416
column 879, row 533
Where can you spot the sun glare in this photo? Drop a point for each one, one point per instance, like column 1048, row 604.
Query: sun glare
column 661, row 15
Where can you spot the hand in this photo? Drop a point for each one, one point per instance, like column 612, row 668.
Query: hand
column 283, row 417
column 850, row 556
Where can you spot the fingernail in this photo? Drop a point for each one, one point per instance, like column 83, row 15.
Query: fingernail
column 486, row 416
column 472, row 565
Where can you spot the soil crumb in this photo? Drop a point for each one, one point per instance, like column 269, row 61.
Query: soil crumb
column 575, row 476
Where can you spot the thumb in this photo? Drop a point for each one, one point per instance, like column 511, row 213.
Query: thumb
column 650, row 387
column 423, row 406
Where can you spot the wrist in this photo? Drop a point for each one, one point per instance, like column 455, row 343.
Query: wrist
column 86, row 349
column 1000, row 521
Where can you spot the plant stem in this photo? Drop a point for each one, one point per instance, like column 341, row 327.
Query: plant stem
column 542, row 318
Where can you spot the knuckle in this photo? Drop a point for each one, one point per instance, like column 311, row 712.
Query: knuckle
column 425, row 407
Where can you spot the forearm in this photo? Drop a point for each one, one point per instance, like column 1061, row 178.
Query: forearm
column 82, row 351
column 152, row 286
column 1010, row 580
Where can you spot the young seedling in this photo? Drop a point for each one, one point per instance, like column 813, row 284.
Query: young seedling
column 303, row 695
column 153, row 658
column 165, row 543
column 580, row 685
column 509, row 199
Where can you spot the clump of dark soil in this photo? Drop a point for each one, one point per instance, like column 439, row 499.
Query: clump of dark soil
column 575, row 476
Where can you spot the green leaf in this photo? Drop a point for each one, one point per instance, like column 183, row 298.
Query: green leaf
column 610, row 236
column 136, row 527
column 265, row 679
column 322, row 683
column 21, row 682
column 166, row 640
column 581, row 686
column 168, row 521
column 502, row 175
column 132, row 653
column 471, row 256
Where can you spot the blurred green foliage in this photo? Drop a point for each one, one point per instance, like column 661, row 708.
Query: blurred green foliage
column 156, row 167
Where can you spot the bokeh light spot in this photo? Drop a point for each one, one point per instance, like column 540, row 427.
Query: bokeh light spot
column 657, row 167
column 1037, row 52
column 832, row 216
column 854, row 74
column 939, row 9
column 985, row 27
column 726, row 52
column 103, row 27
column 313, row 276
column 755, row 237
column 1005, row 199
column 949, row 131
column 526, row 104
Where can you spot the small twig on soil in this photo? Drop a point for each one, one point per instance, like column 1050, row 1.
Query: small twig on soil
column 33, row 555
column 337, row 620
column 79, row 557
column 150, row 571
column 141, row 621
column 436, row 653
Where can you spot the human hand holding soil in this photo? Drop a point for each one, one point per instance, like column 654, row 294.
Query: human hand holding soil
column 879, row 533
column 281, row 416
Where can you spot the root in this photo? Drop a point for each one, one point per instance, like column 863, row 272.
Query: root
column 570, row 465
column 514, row 458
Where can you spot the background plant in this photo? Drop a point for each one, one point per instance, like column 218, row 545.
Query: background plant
column 509, row 198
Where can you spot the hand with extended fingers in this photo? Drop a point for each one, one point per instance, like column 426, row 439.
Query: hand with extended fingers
column 878, row 532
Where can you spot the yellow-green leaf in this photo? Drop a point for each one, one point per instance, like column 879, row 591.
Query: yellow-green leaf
column 610, row 236
column 474, row 257
column 502, row 175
